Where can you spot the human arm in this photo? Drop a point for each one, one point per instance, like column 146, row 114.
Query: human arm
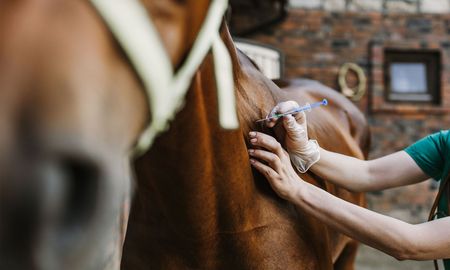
column 399, row 239
column 404, row 241
column 394, row 170
column 397, row 169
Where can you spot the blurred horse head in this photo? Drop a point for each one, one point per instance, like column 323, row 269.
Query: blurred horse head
column 71, row 110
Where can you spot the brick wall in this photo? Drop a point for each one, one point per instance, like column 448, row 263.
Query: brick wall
column 317, row 42
column 386, row 6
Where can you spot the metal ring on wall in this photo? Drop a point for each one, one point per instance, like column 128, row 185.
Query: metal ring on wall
column 357, row 92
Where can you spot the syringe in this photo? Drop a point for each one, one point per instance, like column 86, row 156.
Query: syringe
column 307, row 107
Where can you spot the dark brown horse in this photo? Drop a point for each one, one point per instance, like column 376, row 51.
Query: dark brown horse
column 71, row 110
column 198, row 205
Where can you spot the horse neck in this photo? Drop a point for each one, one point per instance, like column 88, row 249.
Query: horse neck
column 197, row 175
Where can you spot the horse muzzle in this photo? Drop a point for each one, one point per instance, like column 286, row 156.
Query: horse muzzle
column 58, row 210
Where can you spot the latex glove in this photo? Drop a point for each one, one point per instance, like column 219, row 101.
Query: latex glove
column 303, row 152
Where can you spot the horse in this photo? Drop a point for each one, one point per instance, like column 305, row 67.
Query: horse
column 199, row 205
column 72, row 109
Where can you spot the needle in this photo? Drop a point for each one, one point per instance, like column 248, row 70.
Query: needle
column 307, row 107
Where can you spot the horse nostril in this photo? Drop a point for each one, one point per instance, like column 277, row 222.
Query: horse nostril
column 69, row 190
column 46, row 208
column 81, row 181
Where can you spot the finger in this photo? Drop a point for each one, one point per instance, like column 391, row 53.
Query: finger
column 271, row 123
column 265, row 170
column 267, row 142
column 272, row 159
column 287, row 106
column 300, row 117
column 282, row 107
column 293, row 129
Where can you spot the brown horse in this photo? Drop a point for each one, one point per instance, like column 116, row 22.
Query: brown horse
column 198, row 204
column 71, row 110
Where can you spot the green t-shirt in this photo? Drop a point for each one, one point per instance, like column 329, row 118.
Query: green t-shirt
column 432, row 155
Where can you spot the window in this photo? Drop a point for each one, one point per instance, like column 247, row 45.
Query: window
column 269, row 60
column 412, row 76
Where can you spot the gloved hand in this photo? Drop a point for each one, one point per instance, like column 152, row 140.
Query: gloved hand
column 303, row 152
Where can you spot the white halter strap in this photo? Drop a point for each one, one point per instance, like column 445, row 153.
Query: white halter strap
column 131, row 25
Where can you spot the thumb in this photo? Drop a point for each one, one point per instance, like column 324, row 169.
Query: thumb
column 300, row 118
column 293, row 129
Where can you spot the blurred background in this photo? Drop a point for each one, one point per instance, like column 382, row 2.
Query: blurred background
column 391, row 57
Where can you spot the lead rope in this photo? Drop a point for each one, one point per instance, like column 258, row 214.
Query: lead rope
column 129, row 22
column 434, row 213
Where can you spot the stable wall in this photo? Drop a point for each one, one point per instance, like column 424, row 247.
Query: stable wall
column 317, row 43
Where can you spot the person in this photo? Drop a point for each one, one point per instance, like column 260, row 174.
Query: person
column 429, row 157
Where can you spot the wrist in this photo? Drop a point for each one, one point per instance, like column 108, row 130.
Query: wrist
column 297, row 191
column 301, row 193
column 316, row 166
column 306, row 156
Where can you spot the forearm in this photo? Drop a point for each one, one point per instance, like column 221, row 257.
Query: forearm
column 348, row 172
column 397, row 169
column 384, row 233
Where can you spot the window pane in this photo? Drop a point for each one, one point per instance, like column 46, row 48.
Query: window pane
column 408, row 78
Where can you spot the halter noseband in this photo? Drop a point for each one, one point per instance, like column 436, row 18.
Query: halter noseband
column 131, row 25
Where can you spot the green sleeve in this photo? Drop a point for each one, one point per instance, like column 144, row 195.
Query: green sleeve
column 430, row 153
